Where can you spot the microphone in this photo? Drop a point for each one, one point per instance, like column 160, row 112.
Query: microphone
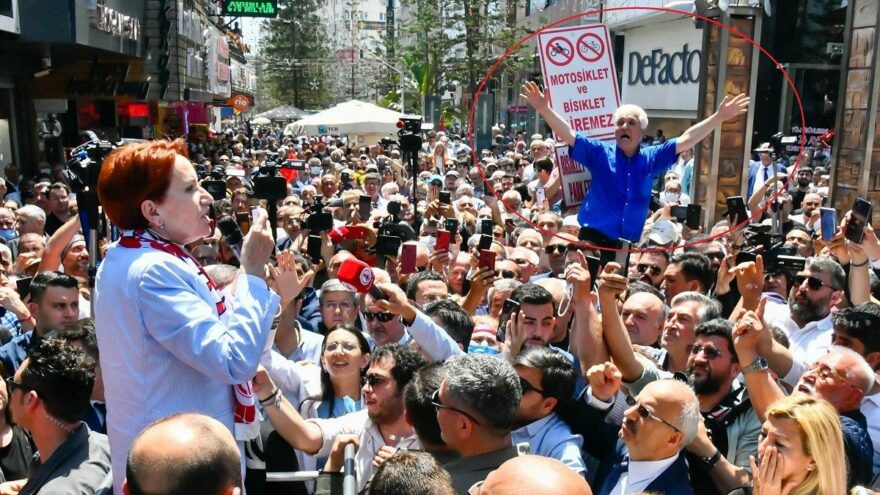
column 231, row 234
column 359, row 276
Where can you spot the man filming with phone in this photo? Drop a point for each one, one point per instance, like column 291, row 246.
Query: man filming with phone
column 624, row 170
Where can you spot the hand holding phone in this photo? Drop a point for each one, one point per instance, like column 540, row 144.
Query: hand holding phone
column 828, row 217
column 859, row 217
column 487, row 259
column 408, row 258
column 443, row 237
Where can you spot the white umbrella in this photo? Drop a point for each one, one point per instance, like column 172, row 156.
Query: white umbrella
column 351, row 117
column 261, row 121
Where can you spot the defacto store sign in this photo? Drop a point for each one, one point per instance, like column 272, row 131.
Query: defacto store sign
column 580, row 78
column 662, row 64
column 576, row 179
column 250, row 8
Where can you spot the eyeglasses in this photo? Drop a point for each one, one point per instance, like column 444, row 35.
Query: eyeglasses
column 435, row 401
column 341, row 306
column 711, row 352
column 11, row 385
column 528, row 387
column 346, row 346
column 718, row 255
column 374, row 380
column 508, row 274
column 826, row 373
column 556, row 248
column 522, row 261
column 382, row 316
column 813, row 282
column 646, row 413
column 643, row 267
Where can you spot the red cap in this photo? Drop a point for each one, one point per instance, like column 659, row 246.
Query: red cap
column 356, row 274
column 338, row 234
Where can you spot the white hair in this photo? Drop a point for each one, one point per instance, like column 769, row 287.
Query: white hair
column 634, row 110
column 861, row 373
column 389, row 189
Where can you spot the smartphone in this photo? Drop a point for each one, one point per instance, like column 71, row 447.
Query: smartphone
column 452, row 225
column 23, row 286
column 244, row 222
column 507, row 310
column 736, row 206
column 487, row 259
column 365, row 207
column 408, row 258
column 828, row 217
column 745, row 256
column 593, row 264
column 539, row 195
column 387, row 245
column 443, row 237
column 314, row 248
column 622, row 257
column 445, row 197
column 692, row 220
column 860, row 216
column 486, row 226
column 679, row 213
column 485, row 242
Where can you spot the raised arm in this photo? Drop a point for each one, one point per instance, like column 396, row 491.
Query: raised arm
column 748, row 331
column 286, row 420
column 539, row 101
column 60, row 239
column 611, row 286
column 730, row 108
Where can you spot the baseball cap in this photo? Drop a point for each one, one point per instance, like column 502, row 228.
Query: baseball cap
column 452, row 172
column 662, row 233
column 434, row 178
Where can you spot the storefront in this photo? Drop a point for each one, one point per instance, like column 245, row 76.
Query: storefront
column 661, row 65
column 9, row 28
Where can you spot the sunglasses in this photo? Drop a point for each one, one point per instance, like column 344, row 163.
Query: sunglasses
column 11, row 385
column 646, row 413
column 813, row 282
column 643, row 267
column 528, row 387
column 507, row 274
column 382, row 316
column 435, row 401
column 711, row 352
column 556, row 248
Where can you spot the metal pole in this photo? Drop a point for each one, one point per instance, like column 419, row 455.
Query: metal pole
column 349, row 480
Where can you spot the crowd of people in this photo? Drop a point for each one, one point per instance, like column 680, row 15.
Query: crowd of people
column 496, row 353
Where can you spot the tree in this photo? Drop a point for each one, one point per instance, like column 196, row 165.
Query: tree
column 294, row 54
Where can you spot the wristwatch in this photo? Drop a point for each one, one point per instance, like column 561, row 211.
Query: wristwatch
column 706, row 464
column 760, row 364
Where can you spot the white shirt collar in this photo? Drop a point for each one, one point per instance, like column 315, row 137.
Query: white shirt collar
column 640, row 474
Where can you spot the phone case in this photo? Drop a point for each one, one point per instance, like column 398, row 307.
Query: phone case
column 443, row 237
column 408, row 258
column 487, row 259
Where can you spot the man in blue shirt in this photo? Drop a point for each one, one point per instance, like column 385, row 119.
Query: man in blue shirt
column 617, row 203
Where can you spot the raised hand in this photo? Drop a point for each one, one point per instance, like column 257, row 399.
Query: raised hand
column 287, row 282
column 732, row 107
column 533, row 94
column 611, row 284
column 578, row 275
column 605, row 380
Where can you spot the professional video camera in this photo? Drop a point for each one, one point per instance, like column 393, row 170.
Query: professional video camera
column 410, row 134
column 392, row 232
column 84, row 165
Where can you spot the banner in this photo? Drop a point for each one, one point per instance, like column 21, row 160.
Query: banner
column 575, row 178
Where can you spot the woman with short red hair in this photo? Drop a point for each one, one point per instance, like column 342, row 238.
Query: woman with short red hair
column 168, row 342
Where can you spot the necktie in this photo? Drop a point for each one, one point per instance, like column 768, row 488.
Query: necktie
column 766, row 174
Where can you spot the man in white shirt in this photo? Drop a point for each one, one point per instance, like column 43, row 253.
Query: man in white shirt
column 815, row 291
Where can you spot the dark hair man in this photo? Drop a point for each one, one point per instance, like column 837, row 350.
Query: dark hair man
column 54, row 305
column 49, row 397
column 411, row 473
column 183, row 453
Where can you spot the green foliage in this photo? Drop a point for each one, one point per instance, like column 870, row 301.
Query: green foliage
column 293, row 48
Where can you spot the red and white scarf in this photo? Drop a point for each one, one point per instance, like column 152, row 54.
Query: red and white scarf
column 246, row 426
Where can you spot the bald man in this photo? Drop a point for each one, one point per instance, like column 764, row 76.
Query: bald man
column 183, row 453
column 534, row 475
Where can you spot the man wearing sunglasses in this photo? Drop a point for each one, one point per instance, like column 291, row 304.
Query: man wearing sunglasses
column 48, row 396
column 548, row 381
column 380, row 423
column 658, row 424
column 649, row 267
column 815, row 290
column 383, row 327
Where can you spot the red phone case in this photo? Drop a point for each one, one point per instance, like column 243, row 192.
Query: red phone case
column 408, row 258
column 487, row 259
column 443, row 238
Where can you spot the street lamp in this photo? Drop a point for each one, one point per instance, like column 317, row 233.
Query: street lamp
column 399, row 72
